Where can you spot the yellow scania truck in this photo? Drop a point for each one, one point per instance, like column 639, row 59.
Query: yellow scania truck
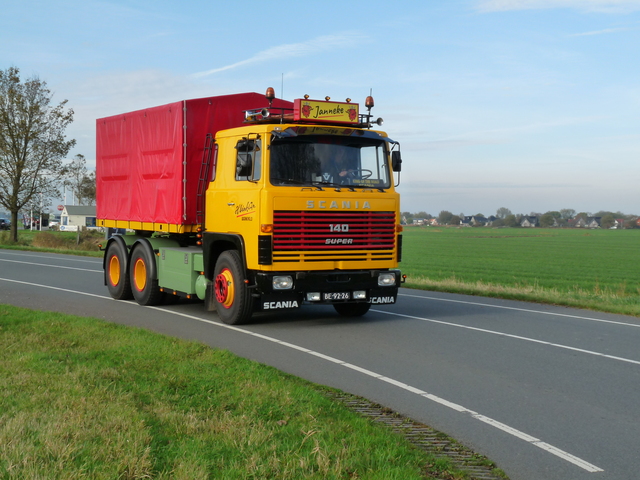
column 250, row 203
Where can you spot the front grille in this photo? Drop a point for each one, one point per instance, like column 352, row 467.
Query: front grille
column 324, row 234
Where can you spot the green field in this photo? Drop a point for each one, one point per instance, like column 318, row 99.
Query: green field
column 596, row 269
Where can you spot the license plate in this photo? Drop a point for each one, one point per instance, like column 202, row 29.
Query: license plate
column 337, row 296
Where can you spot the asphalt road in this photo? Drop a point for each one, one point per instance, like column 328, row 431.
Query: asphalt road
column 546, row 392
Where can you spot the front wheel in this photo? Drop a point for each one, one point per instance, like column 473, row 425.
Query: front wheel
column 352, row 309
column 232, row 297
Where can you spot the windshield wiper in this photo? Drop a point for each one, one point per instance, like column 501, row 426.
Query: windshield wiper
column 293, row 181
column 337, row 186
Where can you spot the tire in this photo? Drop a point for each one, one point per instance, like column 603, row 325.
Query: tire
column 115, row 270
column 352, row 309
column 143, row 277
column 232, row 297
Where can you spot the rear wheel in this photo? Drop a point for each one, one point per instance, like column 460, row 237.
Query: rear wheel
column 231, row 295
column 352, row 309
column 116, row 272
column 144, row 281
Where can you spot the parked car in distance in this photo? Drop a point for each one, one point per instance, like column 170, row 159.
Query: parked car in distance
column 5, row 224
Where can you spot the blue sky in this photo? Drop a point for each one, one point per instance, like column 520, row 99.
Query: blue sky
column 532, row 105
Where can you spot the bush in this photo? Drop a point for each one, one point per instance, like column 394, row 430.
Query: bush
column 5, row 239
column 87, row 240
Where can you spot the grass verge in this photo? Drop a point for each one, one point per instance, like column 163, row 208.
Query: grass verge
column 84, row 243
column 603, row 300
column 82, row 398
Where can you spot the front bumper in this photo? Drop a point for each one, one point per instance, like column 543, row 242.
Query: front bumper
column 356, row 286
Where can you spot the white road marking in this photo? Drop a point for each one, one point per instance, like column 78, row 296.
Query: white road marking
column 519, row 309
column 509, row 335
column 489, row 421
column 49, row 265
column 57, row 288
column 69, row 257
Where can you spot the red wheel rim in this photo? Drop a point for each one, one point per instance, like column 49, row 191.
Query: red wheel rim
column 224, row 288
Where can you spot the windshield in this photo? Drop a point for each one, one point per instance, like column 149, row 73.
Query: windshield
column 329, row 160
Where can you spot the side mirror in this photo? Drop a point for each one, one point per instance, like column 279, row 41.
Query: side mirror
column 396, row 161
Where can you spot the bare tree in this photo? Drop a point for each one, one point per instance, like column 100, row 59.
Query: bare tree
column 567, row 213
column 32, row 142
column 81, row 182
column 503, row 212
column 608, row 220
column 547, row 220
column 444, row 217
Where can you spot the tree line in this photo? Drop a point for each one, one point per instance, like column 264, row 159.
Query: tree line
column 505, row 218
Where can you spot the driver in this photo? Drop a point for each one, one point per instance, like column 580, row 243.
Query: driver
column 340, row 168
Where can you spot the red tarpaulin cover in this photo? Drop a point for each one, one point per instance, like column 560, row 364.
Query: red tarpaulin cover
column 139, row 156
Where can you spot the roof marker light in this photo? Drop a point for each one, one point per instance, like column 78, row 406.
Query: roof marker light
column 369, row 102
column 271, row 94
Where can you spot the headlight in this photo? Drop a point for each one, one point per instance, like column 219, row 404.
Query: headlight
column 313, row 297
column 386, row 279
column 359, row 295
column 283, row 282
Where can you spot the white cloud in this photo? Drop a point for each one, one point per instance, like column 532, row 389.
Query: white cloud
column 609, row 6
column 319, row 44
column 599, row 32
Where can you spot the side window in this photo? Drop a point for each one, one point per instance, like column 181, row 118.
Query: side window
column 374, row 165
column 248, row 160
column 213, row 168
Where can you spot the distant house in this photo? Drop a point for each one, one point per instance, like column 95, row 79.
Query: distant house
column 593, row 222
column 589, row 222
column 529, row 221
column 472, row 221
column 76, row 217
